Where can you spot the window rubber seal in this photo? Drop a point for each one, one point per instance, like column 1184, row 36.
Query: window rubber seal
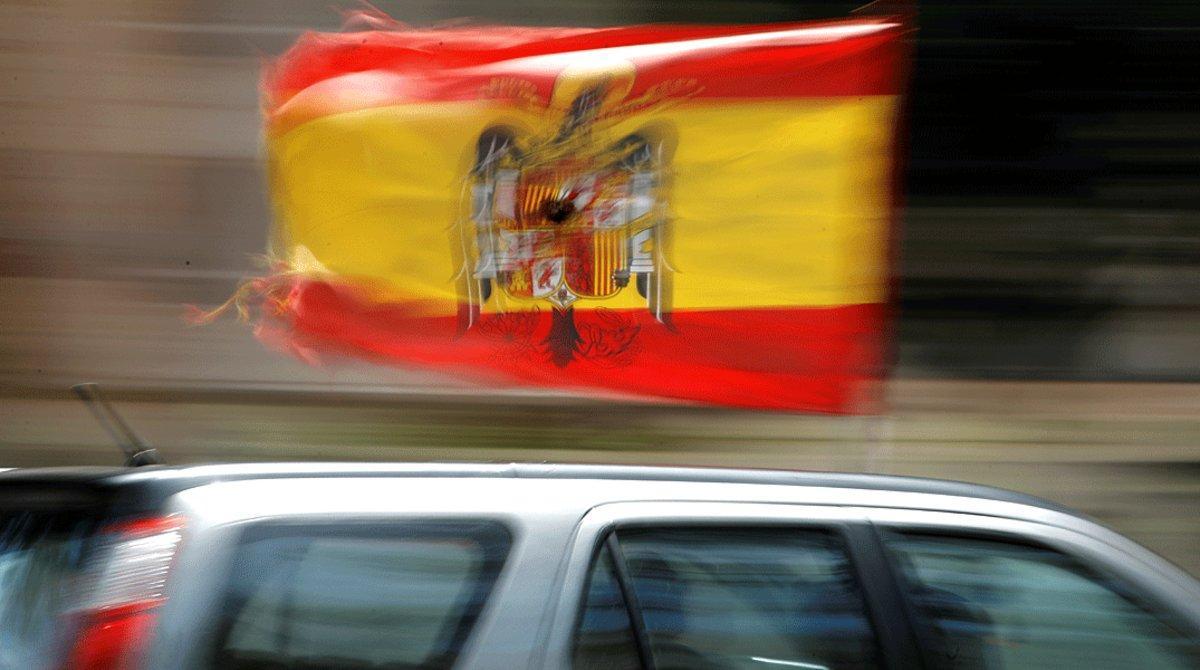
column 631, row 602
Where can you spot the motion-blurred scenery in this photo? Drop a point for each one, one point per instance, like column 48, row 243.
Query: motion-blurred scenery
column 1045, row 336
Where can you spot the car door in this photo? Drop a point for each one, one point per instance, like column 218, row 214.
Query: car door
column 987, row 592
column 673, row 585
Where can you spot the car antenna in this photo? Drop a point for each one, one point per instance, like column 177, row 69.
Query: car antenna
column 137, row 452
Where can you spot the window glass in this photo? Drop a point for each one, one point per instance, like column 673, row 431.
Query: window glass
column 605, row 638
column 748, row 598
column 41, row 567
column 378, row 597
column 992, row 604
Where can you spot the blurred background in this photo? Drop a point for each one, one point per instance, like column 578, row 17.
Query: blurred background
column 1049, row 334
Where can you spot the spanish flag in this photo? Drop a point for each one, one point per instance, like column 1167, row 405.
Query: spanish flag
column 699, row 213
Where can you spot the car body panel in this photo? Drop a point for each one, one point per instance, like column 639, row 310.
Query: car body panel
column 556, row 522
column 556, row 515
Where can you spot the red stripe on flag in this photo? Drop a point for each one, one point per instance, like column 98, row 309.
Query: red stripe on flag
column 792, row 60
column 800, row 359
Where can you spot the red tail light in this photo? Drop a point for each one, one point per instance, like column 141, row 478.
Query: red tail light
column 129, row 585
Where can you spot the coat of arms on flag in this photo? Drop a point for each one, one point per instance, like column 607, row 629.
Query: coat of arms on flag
column 701, row 213
column 572, row 211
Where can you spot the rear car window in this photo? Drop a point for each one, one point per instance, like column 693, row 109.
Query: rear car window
column 42, row 561
column 359, row 596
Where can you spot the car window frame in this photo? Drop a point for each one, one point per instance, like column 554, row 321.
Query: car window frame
column 609, row 543
column 892, row 630
column 1140, row 581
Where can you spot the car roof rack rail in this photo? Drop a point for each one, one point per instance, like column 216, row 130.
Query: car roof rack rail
column 137, row 452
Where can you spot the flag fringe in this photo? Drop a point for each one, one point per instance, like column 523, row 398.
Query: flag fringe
column 271, row 294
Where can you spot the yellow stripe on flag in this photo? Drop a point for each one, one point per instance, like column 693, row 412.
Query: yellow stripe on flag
column 772, row 203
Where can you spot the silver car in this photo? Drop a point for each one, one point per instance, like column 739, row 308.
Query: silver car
column 547, row 566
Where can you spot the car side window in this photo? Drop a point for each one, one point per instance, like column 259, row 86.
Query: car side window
column 709, row 597
column 352, row 597
column 985, row 603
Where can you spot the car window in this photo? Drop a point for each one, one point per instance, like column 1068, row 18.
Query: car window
column 745, row 598
column 377, row 597
column 42, row 560
column 986, row 603
column 605, row 639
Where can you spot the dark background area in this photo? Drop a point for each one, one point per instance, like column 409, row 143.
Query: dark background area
column 1053, row 186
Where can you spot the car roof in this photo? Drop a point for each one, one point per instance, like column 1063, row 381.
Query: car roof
column 158, row 482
